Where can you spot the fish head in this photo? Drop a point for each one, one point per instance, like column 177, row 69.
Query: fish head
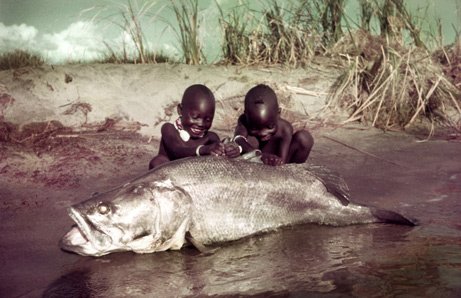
column 140, row 217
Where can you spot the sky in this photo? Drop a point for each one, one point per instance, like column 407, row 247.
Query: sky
column 67, row 30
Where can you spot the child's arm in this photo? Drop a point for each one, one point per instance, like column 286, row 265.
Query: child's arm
column 176, row 148
column 286, row 134
column 240, row 136
column 213, row 146
column 281, row 146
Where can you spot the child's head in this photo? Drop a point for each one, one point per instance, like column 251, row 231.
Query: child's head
column 196, row 110
column 261, row 112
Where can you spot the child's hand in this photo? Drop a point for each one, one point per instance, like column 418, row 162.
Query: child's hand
column 216, row 149
column 232, row 150
column 271, row 159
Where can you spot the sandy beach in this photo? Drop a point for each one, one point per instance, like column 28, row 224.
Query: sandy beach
column 57, row 119
column 69, row 131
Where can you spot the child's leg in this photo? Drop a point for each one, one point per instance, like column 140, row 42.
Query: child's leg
column 300, row 147
column 158, row 160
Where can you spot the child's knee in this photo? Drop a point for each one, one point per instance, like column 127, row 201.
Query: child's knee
column 304, row 139
column 158, row 160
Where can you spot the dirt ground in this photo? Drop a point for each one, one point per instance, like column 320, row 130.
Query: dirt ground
column 61, row 140
column 393, row 170
column 80, row 163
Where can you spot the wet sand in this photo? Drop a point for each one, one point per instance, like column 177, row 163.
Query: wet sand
column 419, row 179
column 69, row 131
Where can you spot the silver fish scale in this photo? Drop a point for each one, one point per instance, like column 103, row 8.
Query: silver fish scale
column 232, row 198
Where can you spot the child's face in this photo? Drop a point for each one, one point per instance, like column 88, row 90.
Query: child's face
column 262, row 122
column 197, row 116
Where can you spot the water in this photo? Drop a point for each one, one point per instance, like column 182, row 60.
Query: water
column 377, row 260
column 364, row 261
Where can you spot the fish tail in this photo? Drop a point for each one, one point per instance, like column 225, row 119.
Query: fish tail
column 392, row 217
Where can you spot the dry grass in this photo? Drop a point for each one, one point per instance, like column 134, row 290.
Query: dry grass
column 114, row 57
column 187, row 15
column 450, row 59
column 389, row 81
column 19, row 58
column 277, row 35
column 129, row 18
column 391, row 86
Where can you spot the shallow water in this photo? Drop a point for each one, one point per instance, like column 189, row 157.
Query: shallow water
column 377, row 260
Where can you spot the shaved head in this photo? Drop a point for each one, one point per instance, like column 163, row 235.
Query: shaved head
column 197, row 95
column 261, row 95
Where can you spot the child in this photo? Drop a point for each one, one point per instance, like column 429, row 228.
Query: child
column 189, row 135
column 261, row 122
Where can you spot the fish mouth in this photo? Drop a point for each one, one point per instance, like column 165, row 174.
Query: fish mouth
column 84, row 238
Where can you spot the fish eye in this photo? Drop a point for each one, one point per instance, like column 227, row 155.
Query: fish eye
column 103, row 208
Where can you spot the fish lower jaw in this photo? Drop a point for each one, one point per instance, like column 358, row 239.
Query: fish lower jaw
column 85, row 240
column 75, row 241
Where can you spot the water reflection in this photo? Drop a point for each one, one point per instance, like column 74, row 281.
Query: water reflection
column 302, row 260
column 73, row 284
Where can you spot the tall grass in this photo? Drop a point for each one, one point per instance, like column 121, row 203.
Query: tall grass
column 331, row 15
column 390, row 80
column 19, row 58
column 392, row 87
column 129, row 18
column 187, row 16
column 277, row 35
column 394, row 18
column 236, row 39
column 114, row 57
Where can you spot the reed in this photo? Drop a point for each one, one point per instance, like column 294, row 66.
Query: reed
column 276, row 35
column 331, row 15
column 187, row 16
column 394, row 19
column 150, row 57
column 20, row 58
column 391, row 82
column 236, row 39
column 129, row 17
column 392, row 87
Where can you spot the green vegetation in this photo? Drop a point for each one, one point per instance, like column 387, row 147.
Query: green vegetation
column 391, row 81
column 391, row 87
column 187, row 15
column 393, row 75
column 128, row 18
column 276, row 35
column 114, row 57
column 18, row 58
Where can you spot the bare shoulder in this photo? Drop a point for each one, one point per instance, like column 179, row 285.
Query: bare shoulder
column 168, row 127
column 169, row 133
column 285, row 127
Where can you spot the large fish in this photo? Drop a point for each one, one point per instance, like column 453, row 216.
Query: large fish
column 212, row 199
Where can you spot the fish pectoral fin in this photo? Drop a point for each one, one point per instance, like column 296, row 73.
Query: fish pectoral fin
column 145, row 244
column 388, row 216
column 334, row 183
column 341, row 196
column 198, row 245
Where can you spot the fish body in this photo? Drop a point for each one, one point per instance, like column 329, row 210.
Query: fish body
column 214, row 199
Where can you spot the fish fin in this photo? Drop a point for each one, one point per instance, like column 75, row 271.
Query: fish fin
column 334, row 183
column 198, row 245
column 392, row 217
